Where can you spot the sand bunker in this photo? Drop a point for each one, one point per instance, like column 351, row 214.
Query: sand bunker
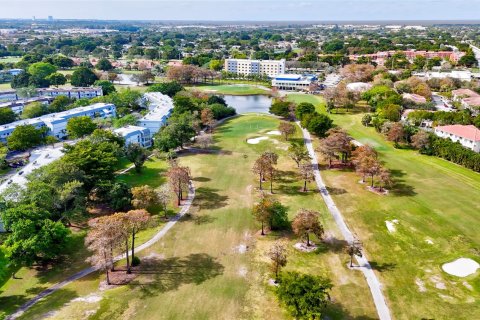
column 256, row 140
column 391, row 225
column 274, row 133
column 462, row 267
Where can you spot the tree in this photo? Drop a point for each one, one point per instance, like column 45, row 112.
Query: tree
column 32, row 235
column 41, row 70
column 298, row 153
column 286, row 129
column 307, row 222
column 62, row 62
column 143, row 197
column 33, row 110
column 396, row 133
column 83, row 77
column 178, row 179
column 260, row 167
column 79, row 127
column 317, row 124
column 136, row 154
column 307, row 174
column 176, row 133
column 280, row 108
column 59, row 104
column 120, row 196
column 278, row 255
column 135, row 220
column 164, row 197
column 305, row 296
column 104, row 65
column 304, row 108
column 207, row 118
column 105, row 235
column 24, row 137
column 7, row 115
column 421, row 140
column 366, row 120
column 21, row 80
column 271, row 159
column 216, row 65
column 262, row 213
column 56, row 79
column 353, row 248
column 385, row 178
column 168, row 88
column 205, row 140
column 107, row 86
column 67, row 193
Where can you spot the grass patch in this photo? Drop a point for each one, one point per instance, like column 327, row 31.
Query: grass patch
column 152, row 173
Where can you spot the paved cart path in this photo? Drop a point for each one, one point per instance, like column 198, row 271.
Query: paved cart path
column 364, row 265
column 185, row 207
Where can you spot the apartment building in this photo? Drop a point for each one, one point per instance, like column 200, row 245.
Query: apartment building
column 467, row 136
column 381, row 56
column 271, row 68
column 72, row 93
column 56, row 123
column 135, row 134
column 160, row 107
column 468, row 98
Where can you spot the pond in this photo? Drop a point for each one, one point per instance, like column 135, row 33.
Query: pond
column 250, row 103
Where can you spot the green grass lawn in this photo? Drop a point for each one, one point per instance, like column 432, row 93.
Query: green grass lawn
column 432, row 200
column 197, row 271
column 237, row 90
column 5, row 86
column 10, row 59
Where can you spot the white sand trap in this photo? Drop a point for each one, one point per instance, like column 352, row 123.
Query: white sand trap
column 428, row 241
column 461, row 267
column 274, row 133
column 391, row 225
column 256, row 140
column 91, row 298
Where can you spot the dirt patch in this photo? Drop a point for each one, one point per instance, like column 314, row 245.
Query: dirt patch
column 376, row 190
column 439, row 284
column 420, row 284
column 91, row 298
column 241, row 248
column 271, row 282
column 302, row 246
column 242, row 271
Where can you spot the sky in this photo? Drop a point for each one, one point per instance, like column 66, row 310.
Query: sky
column 244, row 10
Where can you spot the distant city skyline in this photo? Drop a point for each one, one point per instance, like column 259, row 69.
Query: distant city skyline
column 244, row 10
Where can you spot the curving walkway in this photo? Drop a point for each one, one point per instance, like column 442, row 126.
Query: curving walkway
column 185, row 207
column 364, row 266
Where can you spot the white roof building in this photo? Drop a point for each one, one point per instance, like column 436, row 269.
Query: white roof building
column 160, row 107
column 135, row 134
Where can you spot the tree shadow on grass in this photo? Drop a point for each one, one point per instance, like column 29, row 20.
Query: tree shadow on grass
column 286, row 176
column 170, row 274
column 399, row 188
column 336, row 191
column 199, row 219
column 208, row 198
column 335, row 310
column 333, row 244
column 381, row 267
column 201, row 179
column 11, row 303
column 292, row 190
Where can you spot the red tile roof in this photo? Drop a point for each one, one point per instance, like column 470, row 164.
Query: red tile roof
column 469, row 132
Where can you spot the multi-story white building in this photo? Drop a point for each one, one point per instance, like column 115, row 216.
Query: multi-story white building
column 271, row 68
column 56, row 123
column 468, row 98
column 8, row 95
column 160, row 107
column 135, row 134
column 467, row 136
column 293, row 82
column 72, row 93
column 17, row 106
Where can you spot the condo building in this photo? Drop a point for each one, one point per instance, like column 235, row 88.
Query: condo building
column 271, row 68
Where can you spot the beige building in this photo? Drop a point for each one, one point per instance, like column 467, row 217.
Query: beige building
column 271, row 68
